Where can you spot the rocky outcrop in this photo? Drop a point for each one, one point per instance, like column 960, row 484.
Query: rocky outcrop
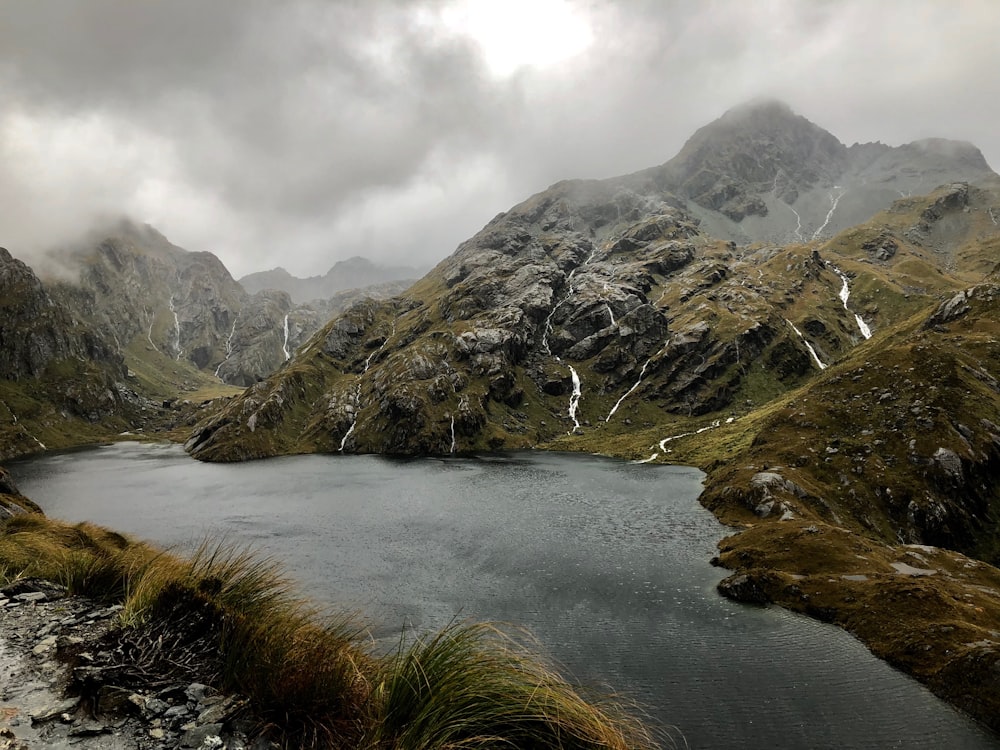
column 555, row 318
column 37, row 332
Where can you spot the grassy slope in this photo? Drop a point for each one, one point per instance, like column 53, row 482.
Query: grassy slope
column 33, row 412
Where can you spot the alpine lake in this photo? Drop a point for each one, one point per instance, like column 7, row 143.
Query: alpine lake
column 605, row 563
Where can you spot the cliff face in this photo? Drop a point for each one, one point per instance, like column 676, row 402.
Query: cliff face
column 155, row 300
column 55, row 370
column 36, row 332
column 182, row 305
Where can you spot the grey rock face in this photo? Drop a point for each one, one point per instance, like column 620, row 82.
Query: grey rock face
column 36, row 330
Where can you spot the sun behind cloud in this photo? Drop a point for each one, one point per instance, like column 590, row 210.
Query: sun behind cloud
column 520, row 33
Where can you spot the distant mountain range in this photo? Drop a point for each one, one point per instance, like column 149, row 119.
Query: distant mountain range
column 353, row 273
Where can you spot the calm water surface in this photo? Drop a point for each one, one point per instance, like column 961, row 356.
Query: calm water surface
column 606, row 563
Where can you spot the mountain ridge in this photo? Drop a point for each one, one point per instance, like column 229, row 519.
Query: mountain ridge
column 353, row 273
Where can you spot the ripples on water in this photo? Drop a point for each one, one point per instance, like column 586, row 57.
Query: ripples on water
column 605, row 562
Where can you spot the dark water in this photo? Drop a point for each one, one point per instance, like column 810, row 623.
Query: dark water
column 605, row 562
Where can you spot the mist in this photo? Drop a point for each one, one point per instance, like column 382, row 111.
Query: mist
column 304, row 133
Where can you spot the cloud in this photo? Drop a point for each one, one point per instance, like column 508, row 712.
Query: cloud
column 305, row 132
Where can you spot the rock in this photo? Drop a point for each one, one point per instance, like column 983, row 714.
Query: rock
column 34, row 596
column 112, row 700
column 881, row 248
column 197, row 692
column 7, row 486
column 204, row 736
column 221, row 711
column 908, row 570
column 155, row 707
column 741, row 587
column 176, row 713
column 90, row 729
column 950, row 310
column 950, row 463
column 49, row 711
column 45, row 645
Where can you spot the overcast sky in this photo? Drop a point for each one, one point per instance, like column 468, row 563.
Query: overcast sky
column 300, row 133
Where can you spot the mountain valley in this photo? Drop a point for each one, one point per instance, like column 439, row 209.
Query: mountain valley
column 815, row 325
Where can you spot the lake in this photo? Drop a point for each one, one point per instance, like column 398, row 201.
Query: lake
column 606, row 563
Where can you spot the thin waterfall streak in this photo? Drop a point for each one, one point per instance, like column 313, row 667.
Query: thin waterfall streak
column 229, row 345
column 177, row 329
column 816, row 359
column 357, row 389
column 629, row 392
column 845, row 294
column 284, row 345
column 574, row 399
column 829, row 214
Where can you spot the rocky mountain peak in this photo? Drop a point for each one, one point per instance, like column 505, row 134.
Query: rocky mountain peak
column 758, row 147
column 959, row 152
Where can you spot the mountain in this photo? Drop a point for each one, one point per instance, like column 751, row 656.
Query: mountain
column 813, row 324
column 169, row 311
column 58, row 376
column 353, row 273
column 763, row 173
column 593, row 292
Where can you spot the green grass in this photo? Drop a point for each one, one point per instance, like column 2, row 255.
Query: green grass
column 230, row 618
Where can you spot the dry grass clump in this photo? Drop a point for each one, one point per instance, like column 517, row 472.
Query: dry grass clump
column 228, row 617
column 474, row 686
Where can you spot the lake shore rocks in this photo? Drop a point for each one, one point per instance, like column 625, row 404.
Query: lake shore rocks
column 58, row 692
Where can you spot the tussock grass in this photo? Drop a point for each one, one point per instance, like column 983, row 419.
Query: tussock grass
column 474, row 686
column 229, row 617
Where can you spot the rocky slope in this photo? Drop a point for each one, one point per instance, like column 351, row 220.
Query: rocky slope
column 158, row 298
column 344, row 275
column 560, row 317
column 56, row 372
column 158, row 301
